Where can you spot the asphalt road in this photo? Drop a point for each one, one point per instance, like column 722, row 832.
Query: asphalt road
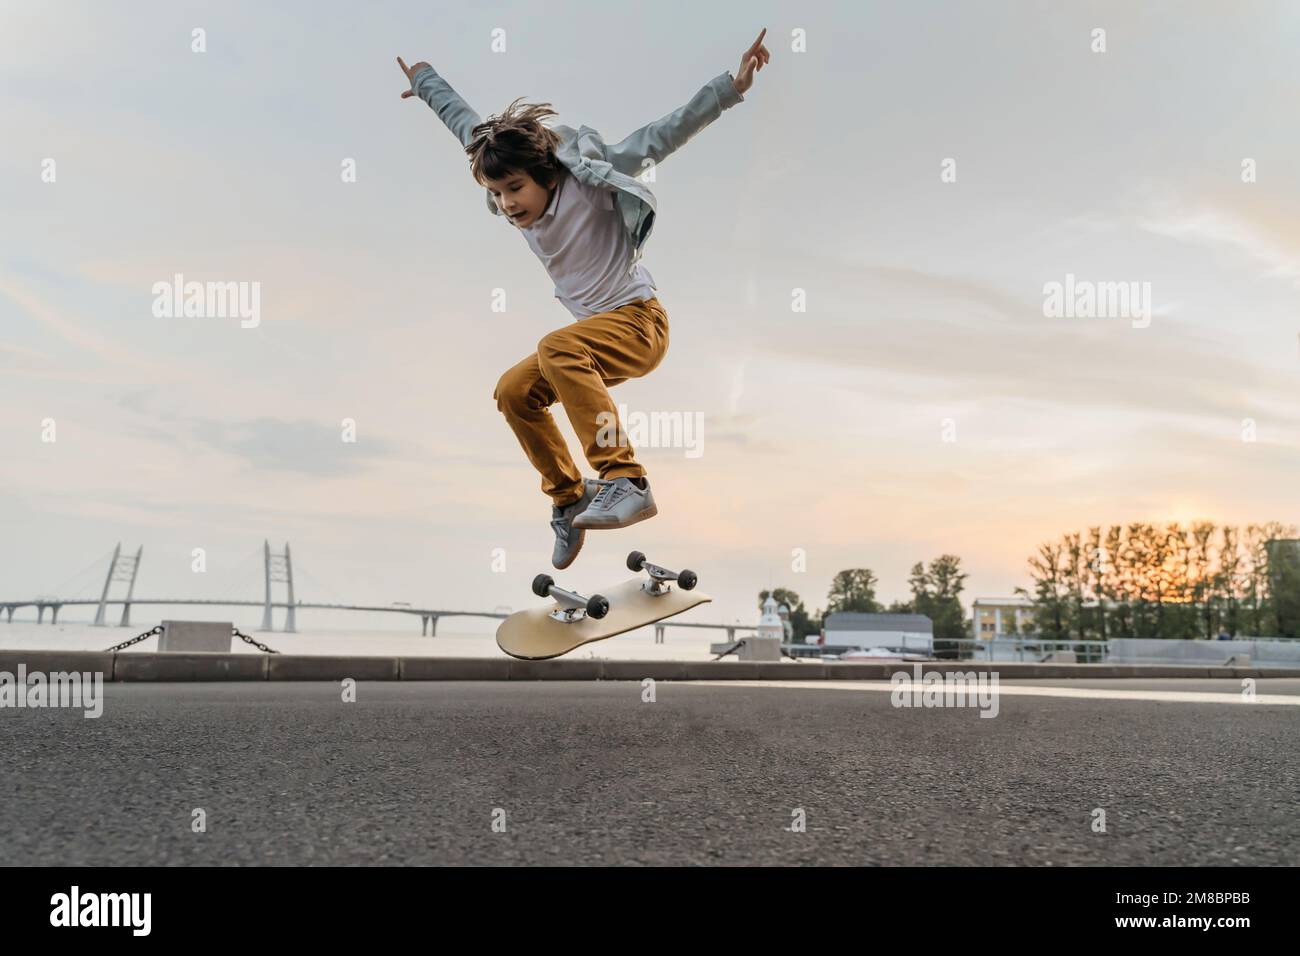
column 588, row 773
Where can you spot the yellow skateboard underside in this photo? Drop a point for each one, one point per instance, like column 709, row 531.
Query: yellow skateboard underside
column 533, row 635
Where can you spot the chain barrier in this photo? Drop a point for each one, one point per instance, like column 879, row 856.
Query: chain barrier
column 258, row 644
column 158, row 629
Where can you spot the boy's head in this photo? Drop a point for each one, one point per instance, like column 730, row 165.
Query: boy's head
column 513, row 155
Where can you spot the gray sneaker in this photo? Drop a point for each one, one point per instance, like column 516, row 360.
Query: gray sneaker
column 568, row 540
column 618, row 504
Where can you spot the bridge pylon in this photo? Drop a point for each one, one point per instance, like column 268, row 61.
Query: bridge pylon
column 121, row 569
column 278, row 568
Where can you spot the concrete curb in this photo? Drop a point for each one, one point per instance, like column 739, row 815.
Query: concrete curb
column 309, row 667
column 189, row 666
column 195, row 666
column 48, row 662
column 640, row 670
column 555, row 670
column 455, row 668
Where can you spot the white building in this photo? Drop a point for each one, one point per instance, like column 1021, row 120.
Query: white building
column 770, row 625
column 913, row 633
column 999, row 617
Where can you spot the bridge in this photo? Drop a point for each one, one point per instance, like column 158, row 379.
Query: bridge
column 278, row 568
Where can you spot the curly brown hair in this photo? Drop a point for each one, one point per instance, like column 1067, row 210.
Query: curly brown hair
column 516, row 141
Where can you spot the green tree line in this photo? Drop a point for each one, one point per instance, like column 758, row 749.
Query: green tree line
column 1135, row 580
column 1166, row 581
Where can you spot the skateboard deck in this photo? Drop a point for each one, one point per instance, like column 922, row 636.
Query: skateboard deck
column 533, row 635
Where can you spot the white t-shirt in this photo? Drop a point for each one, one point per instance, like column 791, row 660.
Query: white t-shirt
column 581, row 242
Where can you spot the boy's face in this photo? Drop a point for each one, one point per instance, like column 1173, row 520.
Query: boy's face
column 519, row 197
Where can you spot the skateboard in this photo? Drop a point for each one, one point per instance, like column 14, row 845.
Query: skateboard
column 540, row 633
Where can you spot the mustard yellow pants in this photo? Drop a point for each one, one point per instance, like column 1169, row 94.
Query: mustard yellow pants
column 575, row 366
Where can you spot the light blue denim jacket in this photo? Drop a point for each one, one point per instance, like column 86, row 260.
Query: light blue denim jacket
column 585, row 154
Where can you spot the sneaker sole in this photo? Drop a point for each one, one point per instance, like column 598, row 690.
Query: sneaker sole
column 638, row 517
column 582, row 537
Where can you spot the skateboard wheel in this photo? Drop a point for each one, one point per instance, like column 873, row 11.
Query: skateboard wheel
column 635, row 560
column 597, row 606
column 542, row 585
column 687, row 580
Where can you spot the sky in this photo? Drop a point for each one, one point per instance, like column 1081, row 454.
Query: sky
column 922, row 402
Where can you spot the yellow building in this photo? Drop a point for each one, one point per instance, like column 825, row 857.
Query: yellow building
column 1000, row 617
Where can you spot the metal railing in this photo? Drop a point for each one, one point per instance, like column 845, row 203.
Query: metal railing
column 1035, row 649
column 1030, row 650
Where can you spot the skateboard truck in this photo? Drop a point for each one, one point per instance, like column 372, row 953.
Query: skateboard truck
column 553, row 628
column 572, row 605
column 659, row 577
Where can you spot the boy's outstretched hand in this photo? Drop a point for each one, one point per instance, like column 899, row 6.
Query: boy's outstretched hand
column 409, row 71
column 752, row 59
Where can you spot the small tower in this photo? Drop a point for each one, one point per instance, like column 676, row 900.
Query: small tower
column 769, row 625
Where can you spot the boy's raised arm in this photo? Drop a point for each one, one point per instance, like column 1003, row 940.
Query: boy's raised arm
column 442, row 99
column 665, row 136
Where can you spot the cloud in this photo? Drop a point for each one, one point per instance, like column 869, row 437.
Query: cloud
column 920, row 336
column 1253, row 220
column 305, row 447
column 70, row 329
column 300, row 446
column 1266, row 235
column 13, row 357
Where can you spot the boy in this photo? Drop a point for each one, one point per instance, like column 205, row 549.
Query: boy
column 584, row 213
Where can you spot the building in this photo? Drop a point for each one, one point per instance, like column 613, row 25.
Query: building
column 783, row 612
column 770, row 625
column 898, row 632
column 999, row 617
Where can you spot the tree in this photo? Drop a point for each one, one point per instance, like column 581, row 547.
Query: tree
column 1073, row 571
column 800, row 623
column 1095, row 573
column 1163, row 582
column 1050, row 596
column 1284, row 585
column 936, row 593
column 1232, row 581
column 853, row 590
column 1256, row 573
column 1203, row 584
